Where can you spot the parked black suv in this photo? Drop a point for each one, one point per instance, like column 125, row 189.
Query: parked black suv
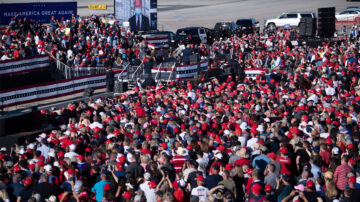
column 225, row 29
column 193, row 35
column 174, row 39
column 247, row 26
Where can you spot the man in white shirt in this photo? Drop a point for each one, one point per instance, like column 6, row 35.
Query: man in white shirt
column 96, row 123
column 200, row 191
column 71, row 154
column 145, row 187
column 44, row 149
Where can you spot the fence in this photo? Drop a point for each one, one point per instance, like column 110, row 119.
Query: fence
column 23, row 65
column 74, row 72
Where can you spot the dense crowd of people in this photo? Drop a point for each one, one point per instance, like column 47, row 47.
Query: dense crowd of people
column 290, row 134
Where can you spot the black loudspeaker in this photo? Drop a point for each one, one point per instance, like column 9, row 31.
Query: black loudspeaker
column 292, row 35
column 120, row 87
column 302, row 27
column 326, row 22
column 88, row 92
column 307, row 27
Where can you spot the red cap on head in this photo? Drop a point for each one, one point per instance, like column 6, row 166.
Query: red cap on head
column 127, row 195
column 200, row 178
column 228, row 167
column 283, row 150
column 256, row 188
column 27, row 181
column 352, row 179
column 268, row 188
column 309, row 183
column 80, row 157
column 271, row 155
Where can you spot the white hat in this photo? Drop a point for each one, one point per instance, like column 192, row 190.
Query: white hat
column 48, row 168
column 51, row 154
column 3, row 149
column 260, row 128
column 226, row 132
column 52, row 198
column 21, row 151
column 147, row 176
column 335, row 150
column 72, row 147
column 267, row 120
column 244, row 125
column 30, row 146
column 182, row 151
column 56, row 164
column 42, row 135
column 219, row 155
column 129, row 157
column 182, row 183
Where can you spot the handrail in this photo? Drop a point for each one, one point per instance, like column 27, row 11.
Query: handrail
column 126, row 67
column 157, row 73
column 172, row 70
column 132, row 78
column 159, row 69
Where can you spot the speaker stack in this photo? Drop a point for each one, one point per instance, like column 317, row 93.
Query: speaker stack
column 120, row 87
column 326, row 22
column 307, row 27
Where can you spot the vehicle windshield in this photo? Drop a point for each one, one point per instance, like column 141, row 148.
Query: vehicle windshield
column 187, row 32
column 244, row 23
column 307, row 15
column 222, row 24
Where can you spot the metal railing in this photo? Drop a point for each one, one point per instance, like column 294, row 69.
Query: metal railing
column 171, row 73
column 135, row 73
column 122, row 72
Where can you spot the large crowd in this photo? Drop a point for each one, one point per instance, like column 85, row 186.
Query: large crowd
column 290, row 134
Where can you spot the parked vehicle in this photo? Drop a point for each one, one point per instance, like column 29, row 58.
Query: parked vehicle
column 225, row 29
column 248, row 25
column 291, row 19
column 347, row 15
column 173, row 38
column 353, row 8
column 195, row 35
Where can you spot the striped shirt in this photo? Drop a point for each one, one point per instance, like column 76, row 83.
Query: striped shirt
column 178, row 162
column 340, row 176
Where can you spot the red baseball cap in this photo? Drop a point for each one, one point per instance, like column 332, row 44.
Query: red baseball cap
column 309, row 183
column 200, row 178
column 80, row 157
column 271, row 155
column 127, row 195
column 352, row 179
column 27, row 181
column 268, row 188
column 228, row 166
column 256, row 188
column 283, row 150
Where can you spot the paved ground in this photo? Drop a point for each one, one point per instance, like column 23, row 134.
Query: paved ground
column 173, row 14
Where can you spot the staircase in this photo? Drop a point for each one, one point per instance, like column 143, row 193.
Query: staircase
column 126, row 80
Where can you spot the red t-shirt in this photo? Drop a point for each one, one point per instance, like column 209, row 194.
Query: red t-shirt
column 140, row 112
column 325, row 157
column 285, row 164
